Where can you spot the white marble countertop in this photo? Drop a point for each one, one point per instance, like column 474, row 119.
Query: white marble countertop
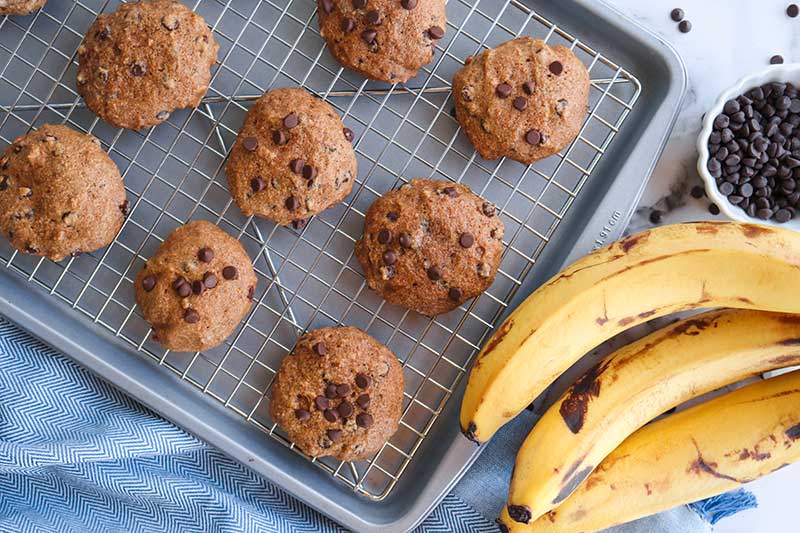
column 717, row 52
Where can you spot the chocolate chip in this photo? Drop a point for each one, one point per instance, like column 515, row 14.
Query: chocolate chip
column 191, row 316
column 434, row 273
column 197, row 287
column 455, row 294
column 346, row 409
column 389, row 257
column 676, row 14
column 330, row 391
column 408, row 4
column 230, row 272
column 393, row 216
column 783, row 215
column 348, row 24
column 374, row 18
column 251, row 290
column 300, row 223
column 348, row 134
column 697, row 192
column 321, row 403
column 503, row 90
column 713, row 209
column 330, row 415
column 466, row 240
column 520, row 103
column 206, row 254
column 384, row 236
column 489, row 209
column 369, row 35
column 279, row 137
column 533, row 137
column 292, row 203
column 138, row 69
column 556, row 67
column 3, row 183
column 364, row 420
column 180, row 280
column 309, row 172
column 209, row 280
column 792, row 10
column 450, row 191
column 170, row 22
column 184, row 290
column 359, row 4
column 334, row 434
column 529, row 87
column 655, row 216
column 103, row 34
column 290, row 121
column 435, row 32
column 250, row 144
column 302, row 415
column 363, row 401
column 405, row 240
column 149, row 283
column 327, row 6
column 685, row 26
column 296, row 166
column 258, row 184
column 363, row 381
column 320, row 348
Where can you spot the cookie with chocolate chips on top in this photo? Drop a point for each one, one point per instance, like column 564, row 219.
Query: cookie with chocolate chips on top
column 384, row 40
column 196, row 288
column 523, row 100
column 339, row 393
column 293, row 158
column 20, row 7
column 144, row 61
column 430, row 246
column 60, row 193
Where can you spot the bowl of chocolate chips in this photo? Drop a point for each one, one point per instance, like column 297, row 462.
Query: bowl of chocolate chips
column 749, row 148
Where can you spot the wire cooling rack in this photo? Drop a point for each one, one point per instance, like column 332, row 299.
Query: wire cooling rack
column 308, row 278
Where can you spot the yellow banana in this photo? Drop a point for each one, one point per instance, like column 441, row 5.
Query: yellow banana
column 635, row 385
column 705, row 450
column 650, row 274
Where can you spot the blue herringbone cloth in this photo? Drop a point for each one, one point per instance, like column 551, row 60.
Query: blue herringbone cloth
column 77, row 455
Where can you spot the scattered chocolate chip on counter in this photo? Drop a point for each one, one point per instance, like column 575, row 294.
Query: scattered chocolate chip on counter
column 677, row 14
column 754, row 152
column 792, row 10
column 777, row 59
column 685, row 26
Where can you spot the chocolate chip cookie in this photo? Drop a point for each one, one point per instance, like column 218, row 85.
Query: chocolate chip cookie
column 145, row 60
column 20, row 7
column 524, row 99
column 430, row 245
column 196, row 288
column 60, row 193
column 293, row 158
column 339, row 393
column 385, row 40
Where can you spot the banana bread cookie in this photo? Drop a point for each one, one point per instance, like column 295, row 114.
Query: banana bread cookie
column 145, row 60
column 430, row 245
column 20, row 7
column 524, row 99
column 339, row 393
column 196, row 288
column 60, row 193
column 384, row 40
column 293, row 158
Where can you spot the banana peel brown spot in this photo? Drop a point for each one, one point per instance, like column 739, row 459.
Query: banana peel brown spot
column 496, row 339
column 651, row 260
column 700, row 466
column 789, row 342
column 520, row 513
column 793, row 432
column 752, row 231
column 695, row 325
column 706, row 228
column 573, row 483
column 574, row 407
column 629, row 242
column 648, row 489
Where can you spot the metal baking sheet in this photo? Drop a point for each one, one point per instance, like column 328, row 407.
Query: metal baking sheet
column 554, row 210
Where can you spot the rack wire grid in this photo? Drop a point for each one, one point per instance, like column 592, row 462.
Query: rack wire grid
column 307, row 278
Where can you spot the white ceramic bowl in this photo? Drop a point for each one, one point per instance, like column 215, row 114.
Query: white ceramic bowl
column 789, row 73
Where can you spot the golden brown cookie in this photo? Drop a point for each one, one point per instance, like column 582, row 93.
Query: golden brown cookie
column 293, row 158
column 196, row 288
column 145, row 60
column 60, row 193
column 339, row 393
column 430, row 245
column 20, row 7
column 385, row 40
column 523, row 99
